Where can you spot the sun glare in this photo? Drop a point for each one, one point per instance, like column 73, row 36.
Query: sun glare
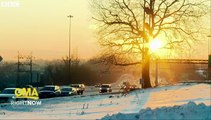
column 155, row 44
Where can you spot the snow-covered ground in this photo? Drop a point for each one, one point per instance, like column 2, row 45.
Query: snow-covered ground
column 189, row 111
column 169, row 102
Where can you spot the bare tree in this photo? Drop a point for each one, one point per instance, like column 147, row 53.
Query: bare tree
column 125, row 27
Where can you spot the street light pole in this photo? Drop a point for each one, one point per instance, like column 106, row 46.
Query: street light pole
column 69, row 59
column 209, row 58
column 156, row 72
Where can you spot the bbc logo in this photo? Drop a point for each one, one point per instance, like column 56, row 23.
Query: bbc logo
column 9, row 4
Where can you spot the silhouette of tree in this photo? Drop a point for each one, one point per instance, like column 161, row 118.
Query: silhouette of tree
column 125, row 27
column 1, row 58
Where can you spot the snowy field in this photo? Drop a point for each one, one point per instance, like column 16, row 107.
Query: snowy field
column 182, row 101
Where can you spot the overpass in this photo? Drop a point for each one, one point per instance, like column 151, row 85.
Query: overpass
column 183, row 61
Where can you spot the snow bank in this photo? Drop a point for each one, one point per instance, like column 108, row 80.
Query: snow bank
column 190, row 111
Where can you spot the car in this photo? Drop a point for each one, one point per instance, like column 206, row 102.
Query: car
column 133, row 87
column 97, row 85
column 67, row 91
column 28, row 86
column 79, row 87
column 126, row 87
column 50, row 91
column 7, row 95
column 105, row 88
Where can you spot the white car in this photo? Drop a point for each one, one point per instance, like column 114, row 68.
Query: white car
column 7, row 95
column 79, row 87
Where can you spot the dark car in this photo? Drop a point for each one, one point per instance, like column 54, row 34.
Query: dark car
column 105, row 88
column 50, row 91
column 79, row 87
column 68, row 91
column 28, row 86
column 8, row 94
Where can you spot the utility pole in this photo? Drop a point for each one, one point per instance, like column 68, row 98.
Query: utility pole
column 18, row 70
column 30, row 64
column 209, row 58
column 23, row 62
column 69, row 59
column 156, row 72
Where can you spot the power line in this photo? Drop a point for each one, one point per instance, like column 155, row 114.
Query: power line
column 24, row 61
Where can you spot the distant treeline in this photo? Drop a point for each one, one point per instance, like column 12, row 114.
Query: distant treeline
column 56, row 72
column 90, row 72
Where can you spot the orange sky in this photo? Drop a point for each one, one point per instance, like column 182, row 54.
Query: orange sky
column 41, row 27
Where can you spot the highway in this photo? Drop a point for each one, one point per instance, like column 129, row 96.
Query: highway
column 91, row 90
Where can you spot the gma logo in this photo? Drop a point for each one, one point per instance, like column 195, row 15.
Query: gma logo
column 27, row 93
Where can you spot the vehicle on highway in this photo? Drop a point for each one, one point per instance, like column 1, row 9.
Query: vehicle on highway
column 97, row 85
column 105, row 88
column 7, row 95
column 125, row 86
column 68, row 91
column 28, row 86
column 79, row 87
column 50, row 91
column 133, row 87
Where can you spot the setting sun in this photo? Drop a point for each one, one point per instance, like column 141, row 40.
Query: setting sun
column 155, row 45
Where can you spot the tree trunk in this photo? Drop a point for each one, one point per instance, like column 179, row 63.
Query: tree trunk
column 145, row 70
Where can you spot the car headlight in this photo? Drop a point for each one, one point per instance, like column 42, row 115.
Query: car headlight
column 100, row 88
column 107, row 88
